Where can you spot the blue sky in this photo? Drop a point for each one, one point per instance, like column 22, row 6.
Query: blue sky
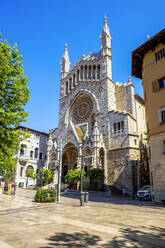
column 41, row 28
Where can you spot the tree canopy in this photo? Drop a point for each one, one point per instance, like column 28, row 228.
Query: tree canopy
column 73, row 176
column 14, row 94
column 45, row 175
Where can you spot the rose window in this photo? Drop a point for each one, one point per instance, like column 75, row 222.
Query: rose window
column 82, row 108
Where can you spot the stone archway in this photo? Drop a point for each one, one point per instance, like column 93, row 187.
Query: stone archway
column 30, row 181
column 69, row 159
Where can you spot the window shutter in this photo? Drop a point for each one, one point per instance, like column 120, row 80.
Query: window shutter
column 155, row 85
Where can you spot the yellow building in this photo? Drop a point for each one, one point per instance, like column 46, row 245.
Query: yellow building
column 148, row 64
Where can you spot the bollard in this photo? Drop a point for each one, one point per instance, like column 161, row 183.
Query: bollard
column 82, row 199
column 86, row 196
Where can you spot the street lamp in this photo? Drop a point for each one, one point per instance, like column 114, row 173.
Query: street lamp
column 81, row 183
column 59, row 150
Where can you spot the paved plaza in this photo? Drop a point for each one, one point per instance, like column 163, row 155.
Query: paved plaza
column 103, row 222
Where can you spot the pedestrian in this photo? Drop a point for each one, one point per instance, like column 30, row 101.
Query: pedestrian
column 124, row 192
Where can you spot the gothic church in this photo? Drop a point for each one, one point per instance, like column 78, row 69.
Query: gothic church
column 100, row 121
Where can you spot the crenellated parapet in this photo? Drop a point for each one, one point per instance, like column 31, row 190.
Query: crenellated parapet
column 87, row 69
column 125, row 100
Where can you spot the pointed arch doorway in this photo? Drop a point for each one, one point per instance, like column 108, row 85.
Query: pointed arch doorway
column 69, row 159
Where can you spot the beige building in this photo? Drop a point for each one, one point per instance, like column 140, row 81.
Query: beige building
column 99, row 119
column 148, row 64
column 31, row 156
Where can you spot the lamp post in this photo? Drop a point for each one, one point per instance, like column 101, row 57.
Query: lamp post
column 81, row 184
column 81, row 178
column 81, row 173
column 59, row 149
column 42, row 178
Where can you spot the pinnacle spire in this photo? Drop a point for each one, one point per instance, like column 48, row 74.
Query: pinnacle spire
column 66, row 47
column 105, row 30
column 65, row 63
column 105, row 19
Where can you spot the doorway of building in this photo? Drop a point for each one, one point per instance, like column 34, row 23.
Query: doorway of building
column 69, row 159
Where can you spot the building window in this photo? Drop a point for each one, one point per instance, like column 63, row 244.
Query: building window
column 114, row 125
column 122, row 126
column 40, row 155
column 118, row 126
column 161, row 83
column 21, row 172
column 66, row 88
column 160, row 54
column 161, row 115
column 31, row 154
column 135, row 142
column 158, row 84
column 21, row 152
column 98, row 72
column 163, row 146
column 37, row 135
column 36, row 153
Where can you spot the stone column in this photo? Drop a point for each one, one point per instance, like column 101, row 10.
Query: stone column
column 96, row 73
column 87, row 72
column 76, row 79
column 72, row 82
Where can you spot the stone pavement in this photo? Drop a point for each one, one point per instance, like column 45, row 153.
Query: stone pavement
column 102, row 222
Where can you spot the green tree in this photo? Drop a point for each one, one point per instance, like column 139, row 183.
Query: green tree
column 144, row 161
column 45, row 175
column 73, row 176
column 96, row 174
column 31, row 174
column 14, row 94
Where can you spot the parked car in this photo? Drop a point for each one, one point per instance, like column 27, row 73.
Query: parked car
column 144, row 193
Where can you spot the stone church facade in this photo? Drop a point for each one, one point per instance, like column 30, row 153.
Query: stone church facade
column 100, row 121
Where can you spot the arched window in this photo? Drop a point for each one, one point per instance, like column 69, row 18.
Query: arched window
column 94, row 71
column 31, row 154
column 70, row 84
column 77, row 76
column 81, row 74
column 87, row 151
column 85, row 76
column 98, row 71
column 122, row 126
column 74, row 79
column 114, row 127
column 118, row 126
column 21, row 152
column 40, row 155
column 89, row 76
column 66, row 88
column 29, row 167
column 36, row 153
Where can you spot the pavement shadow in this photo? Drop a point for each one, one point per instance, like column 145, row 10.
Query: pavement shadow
column 98, row 196
column 153, row 238
column 77, row 239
